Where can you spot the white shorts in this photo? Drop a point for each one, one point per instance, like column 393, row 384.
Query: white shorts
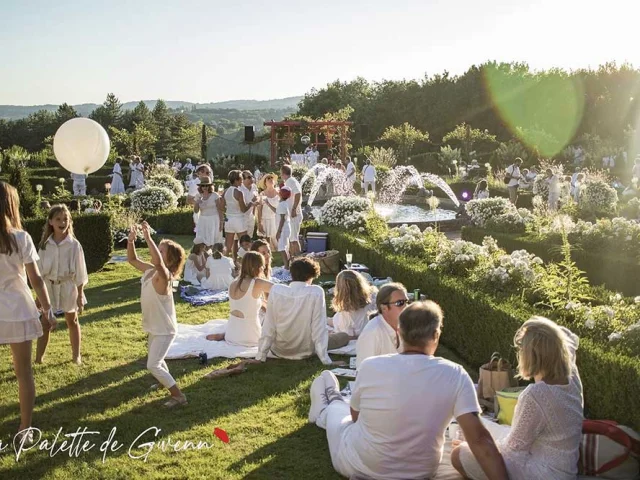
column 283, row 243
column 295, row 228
column 250, row 224
column 235, row 224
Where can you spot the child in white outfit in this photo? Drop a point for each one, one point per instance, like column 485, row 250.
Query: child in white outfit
column 65, row 274
column 220, row 270
column 158, row 310
column 19, row 323
column 283, row 221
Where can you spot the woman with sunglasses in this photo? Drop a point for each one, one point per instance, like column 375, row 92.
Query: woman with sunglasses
column 380, row 335
column 207, row 205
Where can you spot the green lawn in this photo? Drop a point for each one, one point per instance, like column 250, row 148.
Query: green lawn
column 263, row 411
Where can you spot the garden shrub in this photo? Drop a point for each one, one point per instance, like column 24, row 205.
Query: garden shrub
column 176, row 222
column 153, row 199
column 93, row 231
column 480, row 211
column 597, row 197
column 167, row 181
column 477, row 324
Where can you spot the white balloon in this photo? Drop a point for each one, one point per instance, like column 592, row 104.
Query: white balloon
column 81, row 145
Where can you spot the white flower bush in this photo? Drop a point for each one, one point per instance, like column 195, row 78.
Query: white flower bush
column 480, row 211
column 598, row 197
column 153, row 199
column 404, row 239
column 511, row 222
column 617, row 234
column 459, row 257
column 167, row 181
column 348, row 212
column 519, row 269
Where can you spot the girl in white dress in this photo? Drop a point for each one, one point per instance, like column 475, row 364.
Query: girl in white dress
column 194, row 269
column 65, row 274
column 267, row 210
column 156, row 300
column 482, row 190
column 19, row 323
column 117, row 183
column 207, row 205
column 137, row 173
column 219, row 270
column 544, row 439
column 245, row 300
column 283, row 219
column 353, row 302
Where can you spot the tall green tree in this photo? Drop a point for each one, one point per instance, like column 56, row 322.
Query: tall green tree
column 404, row 137
column 65, row 112
column 203, row 143
column 467, row 137
column 162, row 120
column 109, row 114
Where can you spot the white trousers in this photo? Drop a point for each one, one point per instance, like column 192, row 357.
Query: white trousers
column 158, row 348
column 79, row 189
column 368, row 185
column 336, row 419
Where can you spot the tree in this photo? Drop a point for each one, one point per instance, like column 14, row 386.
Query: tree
column 109, row 114
column 65, row 112
column 162, row 120
column 141, row 114
column 404, row 136
column 141, row 141
column 468, row 136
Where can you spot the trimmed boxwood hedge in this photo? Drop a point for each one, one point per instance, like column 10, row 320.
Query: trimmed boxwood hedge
column 175, row 222
column 50, row 183
column 477, row 324
column 92, row 231
column 617, row 273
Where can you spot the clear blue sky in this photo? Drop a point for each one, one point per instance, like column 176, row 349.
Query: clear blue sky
column 77, row 51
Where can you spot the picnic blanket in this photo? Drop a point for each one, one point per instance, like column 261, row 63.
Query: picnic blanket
column 191, row 341
column 281, row 275
column 198, row 296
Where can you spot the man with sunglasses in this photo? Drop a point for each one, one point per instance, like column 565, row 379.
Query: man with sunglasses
column 380, row 335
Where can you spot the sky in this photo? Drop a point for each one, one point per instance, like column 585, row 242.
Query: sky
column 206, row 51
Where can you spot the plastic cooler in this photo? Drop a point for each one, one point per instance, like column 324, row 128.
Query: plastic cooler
column 317, row 241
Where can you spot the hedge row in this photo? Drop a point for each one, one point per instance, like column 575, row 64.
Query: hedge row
column 177, row 222
column 524, row 198
column 477, row 324
column 49, row 184
column 92, row 231
column 615, row 272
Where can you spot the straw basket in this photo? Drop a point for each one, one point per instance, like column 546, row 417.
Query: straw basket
column 329, row 262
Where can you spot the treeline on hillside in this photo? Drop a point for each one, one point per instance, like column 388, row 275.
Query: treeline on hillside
column 504, row 98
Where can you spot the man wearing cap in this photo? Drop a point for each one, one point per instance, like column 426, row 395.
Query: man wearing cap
column 295, row 207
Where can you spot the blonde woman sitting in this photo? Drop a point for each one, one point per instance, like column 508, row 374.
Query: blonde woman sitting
column 545, row 434
column 353, row 301
column 245, row 299
column 220, row 270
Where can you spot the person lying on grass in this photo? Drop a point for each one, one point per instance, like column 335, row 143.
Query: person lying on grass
column 156, row 300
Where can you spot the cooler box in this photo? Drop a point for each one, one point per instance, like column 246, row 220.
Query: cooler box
column 317, row 241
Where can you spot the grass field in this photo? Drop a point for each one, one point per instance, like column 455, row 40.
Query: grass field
column 263, row 411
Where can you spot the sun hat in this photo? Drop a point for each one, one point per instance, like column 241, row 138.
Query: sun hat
column 205, row 182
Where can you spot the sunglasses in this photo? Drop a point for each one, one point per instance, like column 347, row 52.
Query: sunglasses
column 399, row 303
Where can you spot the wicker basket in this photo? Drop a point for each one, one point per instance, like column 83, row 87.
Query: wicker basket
column 329, row 263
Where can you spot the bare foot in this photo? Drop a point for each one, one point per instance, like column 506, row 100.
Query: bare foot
column 216, row 337
column 77, row 361
column 39, row 361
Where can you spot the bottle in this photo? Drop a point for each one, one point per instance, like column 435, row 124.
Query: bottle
column 416, row 295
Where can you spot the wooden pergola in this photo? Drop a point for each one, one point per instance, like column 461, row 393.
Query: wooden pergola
column 327, row 128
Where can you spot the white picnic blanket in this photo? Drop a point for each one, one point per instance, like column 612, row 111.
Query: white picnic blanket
column 191, row 341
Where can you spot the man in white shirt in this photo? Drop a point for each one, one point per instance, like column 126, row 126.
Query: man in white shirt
column 295, row 325
column 380, row 335
column 250, row 194
column 295, row 207
column 79, row 184
column 400, row 408
column 188, row 166
column 368, row 177
column 513, row 172
column 313, row 156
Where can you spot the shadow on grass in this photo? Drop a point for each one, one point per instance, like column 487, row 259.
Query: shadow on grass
column 208, row 399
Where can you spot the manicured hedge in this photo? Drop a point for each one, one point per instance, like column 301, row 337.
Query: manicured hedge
column 176, row 222
column 458, row 187
column 92, row 231
column 477, row 324
column 50, row 183
column 617, row 273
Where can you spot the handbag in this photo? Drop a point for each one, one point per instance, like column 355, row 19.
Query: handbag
column 609, row 450
column 505, row 404
column 494, row 376
column 507, row 176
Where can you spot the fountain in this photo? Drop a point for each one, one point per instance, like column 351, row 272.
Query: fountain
column 390, row 195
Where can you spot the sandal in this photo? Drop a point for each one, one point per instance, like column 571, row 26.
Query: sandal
column 176, row 401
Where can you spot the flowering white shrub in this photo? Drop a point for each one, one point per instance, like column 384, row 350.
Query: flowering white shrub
column 480, row 211
column 510, row 222
column 459, row 257
column 404, row 239
column 520, row 269
column 167, row 181
column 153, row 199
column 348, row 212
column 597, row 196
column 618, row 234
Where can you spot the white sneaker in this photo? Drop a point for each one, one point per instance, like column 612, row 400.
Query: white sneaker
column 318, row 400
column 332, row 387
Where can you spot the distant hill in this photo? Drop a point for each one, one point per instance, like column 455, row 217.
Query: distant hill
column 289, row 104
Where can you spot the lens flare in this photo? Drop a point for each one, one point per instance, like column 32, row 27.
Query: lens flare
column 542, row 110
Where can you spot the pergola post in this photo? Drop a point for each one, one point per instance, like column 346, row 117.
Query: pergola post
column 274, row 146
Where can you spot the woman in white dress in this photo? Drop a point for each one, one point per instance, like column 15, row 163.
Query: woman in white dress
column 194, row 268
column 19, row 323
column 353, row 302
column 207, row 205
column 267, row 210
column 117, row 183
column 137, row 173
column 234, row 207
column 219, row 269
column 544, row 439
column 245, row 300
column 283, row 220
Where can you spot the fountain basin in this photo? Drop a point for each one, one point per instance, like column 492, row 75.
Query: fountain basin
column 398, row 214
